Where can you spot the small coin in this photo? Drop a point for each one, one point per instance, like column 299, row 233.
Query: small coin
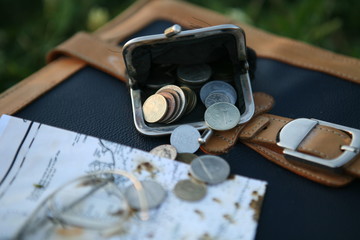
column 165, row 151
column 182, row 102
column 154, row 194
column 218, row 86
column 185, row 139
column 222, row 116
column 171, row 103
column 177, row 104
column 191, row 99
column 216, row 97
column 194, row 74
column 210, row 169
column 186, row 157
column 190, row 191
column 154, row 108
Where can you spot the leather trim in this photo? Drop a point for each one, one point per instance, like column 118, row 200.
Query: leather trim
column 93, row 51
column 26, row 91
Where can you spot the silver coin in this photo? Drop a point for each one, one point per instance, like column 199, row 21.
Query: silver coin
column 194, row 74
column 154, row 194
column 218, row 86
column 222, row 116
column 216, row 97
column 185, row 139
column 186, row 157
column 190, row 191
column 210, row 169
column 165, row 151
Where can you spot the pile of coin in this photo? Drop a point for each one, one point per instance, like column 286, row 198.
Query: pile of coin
column 168, row 104
column 205, row 169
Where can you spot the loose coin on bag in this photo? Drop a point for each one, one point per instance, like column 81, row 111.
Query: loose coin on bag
column 222, row 116
column 154, row 108
column 194, row 74
column 185, row 157
column 154, row 194
column 190, row 191
column 216, row 97
column 210, row 169
column 165, row 151
column 185, row 139
column 218, row 86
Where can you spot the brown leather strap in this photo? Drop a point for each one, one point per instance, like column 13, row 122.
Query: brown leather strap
column 93, row 51
column 325, row 142
column 222, row 141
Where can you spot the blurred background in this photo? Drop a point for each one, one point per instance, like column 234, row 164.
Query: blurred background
column 29, row 29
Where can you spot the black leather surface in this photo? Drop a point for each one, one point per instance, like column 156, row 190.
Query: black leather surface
column 94, row 103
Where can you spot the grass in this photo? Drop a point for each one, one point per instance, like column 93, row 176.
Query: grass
column 28, row 32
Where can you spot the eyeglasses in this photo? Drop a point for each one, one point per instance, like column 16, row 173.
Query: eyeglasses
column 95, row 202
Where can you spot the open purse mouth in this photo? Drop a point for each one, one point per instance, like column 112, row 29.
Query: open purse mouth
column 153, row 62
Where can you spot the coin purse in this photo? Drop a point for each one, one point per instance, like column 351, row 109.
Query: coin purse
column 152, row 62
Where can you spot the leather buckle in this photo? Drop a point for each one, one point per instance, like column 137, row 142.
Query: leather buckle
column 293, row 133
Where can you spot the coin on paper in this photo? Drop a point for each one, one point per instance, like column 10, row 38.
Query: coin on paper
column 185, row 157
column 165, row 151
column 222, row 116
column 153, row 191
column 210, row 169
column 185, row 139
column 190, row 191
column 154, row 108
column 194, row 74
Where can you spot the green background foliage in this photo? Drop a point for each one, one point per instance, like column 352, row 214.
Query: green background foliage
column 29, row 29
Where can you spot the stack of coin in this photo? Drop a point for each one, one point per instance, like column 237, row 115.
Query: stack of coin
column 194, row 75
column 217, row 91
column 168, row 104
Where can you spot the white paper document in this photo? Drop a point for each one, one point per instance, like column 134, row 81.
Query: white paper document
column 36, row 159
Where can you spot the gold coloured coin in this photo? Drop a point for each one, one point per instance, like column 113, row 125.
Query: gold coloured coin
column 190, row 191
column 155, row 108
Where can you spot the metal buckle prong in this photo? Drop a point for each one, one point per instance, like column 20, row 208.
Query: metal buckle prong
column 293, row 133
